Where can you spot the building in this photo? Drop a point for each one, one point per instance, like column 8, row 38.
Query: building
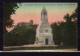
column 44, row 34
column 24, row 23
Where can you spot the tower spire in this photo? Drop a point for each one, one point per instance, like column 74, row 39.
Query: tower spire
column 43, row 7
column 44, row 10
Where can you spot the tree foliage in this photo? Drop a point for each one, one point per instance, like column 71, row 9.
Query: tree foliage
column 66, row 32
column 21, row 36
column 9, row 8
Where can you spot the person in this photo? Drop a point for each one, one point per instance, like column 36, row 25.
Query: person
column 61, row 43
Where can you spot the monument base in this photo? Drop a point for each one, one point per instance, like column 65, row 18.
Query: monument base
column 37, row 45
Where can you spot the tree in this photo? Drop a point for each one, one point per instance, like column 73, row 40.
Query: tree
column 9, row 8
column 55, row 31
column 75, row 15
column 20, row 36
column 66, row 32
column 67, row 18
column 71, row 29
column 58, row 32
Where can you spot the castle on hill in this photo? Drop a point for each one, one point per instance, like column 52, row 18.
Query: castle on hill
column 24, row 23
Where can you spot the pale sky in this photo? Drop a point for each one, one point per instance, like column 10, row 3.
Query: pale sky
column 32, row 11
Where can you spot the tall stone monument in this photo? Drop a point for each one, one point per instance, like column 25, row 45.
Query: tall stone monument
column 44, row 34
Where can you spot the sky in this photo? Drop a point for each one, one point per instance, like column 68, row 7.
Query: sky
column 32, row 11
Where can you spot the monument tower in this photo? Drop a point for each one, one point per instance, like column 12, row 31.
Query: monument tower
column 44, row 34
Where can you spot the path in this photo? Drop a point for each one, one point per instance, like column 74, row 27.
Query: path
column 57, row 50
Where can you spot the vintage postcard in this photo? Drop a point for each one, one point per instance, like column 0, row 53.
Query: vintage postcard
column 40, row 27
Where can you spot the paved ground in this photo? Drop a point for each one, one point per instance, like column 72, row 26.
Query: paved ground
column 57, row 50
column 29, row 46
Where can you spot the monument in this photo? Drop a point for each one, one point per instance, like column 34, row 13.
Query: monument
column 44, row 34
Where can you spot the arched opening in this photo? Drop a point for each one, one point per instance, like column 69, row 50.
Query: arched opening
column 46, row 41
